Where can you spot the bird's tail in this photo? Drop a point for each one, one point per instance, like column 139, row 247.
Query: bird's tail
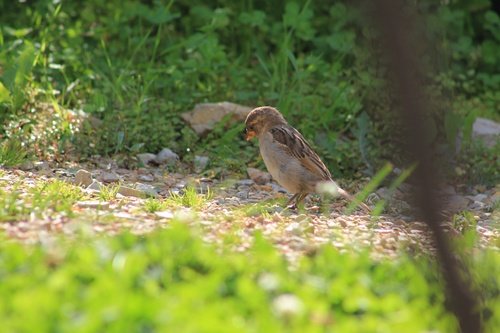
column 349, row 197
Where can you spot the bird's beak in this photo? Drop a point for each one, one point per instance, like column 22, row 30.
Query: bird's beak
column 249, row 135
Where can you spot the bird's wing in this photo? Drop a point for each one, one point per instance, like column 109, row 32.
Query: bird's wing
column 294, row 143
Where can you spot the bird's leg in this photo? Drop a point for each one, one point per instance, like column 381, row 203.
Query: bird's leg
column 300, row 198
column 293, row 205
column 297, row 199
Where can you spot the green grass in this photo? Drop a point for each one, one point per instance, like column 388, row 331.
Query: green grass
column 12, row 153
column 46, row 196
column 323, row 77
column 56, row 195
column 157, row 283
column 188, row 198
column 11, row 205
column 108, row 192
column 135, row 67
column 154, row 205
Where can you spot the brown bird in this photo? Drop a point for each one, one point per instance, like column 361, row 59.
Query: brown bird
column 288, row 156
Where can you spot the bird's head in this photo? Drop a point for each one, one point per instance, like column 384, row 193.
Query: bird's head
column 260, row 119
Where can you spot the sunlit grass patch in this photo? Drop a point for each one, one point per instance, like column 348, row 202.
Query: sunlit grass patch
column 12, row 207
column 154, row 205
column 109, row 192
column 12, row 153
column 55, row 194
column 265, row 208
column 189, row 198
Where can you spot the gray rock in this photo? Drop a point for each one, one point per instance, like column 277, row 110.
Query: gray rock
column 456, row 203
column 486, row 130
column 131, row 192
column 41, row 165
column 83, row 178
column 109, row 177
column 278, row 188
column 95, row 185
column 166, row 156
column 200, row 163
column 481, row 197
column 147, row 189
column 27, row 165
column 243, row 188
column 242, row 194
column 146, row 178
column 203, row 117
column 258, row 176
column 247, row 182
column 93, row 204
column 383, row 193
column 146, row 158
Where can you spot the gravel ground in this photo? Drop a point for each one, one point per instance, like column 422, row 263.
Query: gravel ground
column 237, row 208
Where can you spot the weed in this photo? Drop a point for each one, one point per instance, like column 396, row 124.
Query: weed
column 154, row 205
column 108, row 192
column 464, row 222
column 55, row 194
column 189, row 198
column 12, row 153
column 12, row 208
column 264, row 209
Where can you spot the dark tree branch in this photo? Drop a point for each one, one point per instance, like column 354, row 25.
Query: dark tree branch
column 396, row 22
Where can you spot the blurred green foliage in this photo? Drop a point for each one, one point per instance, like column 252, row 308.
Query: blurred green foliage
column 170, row 281
column 137, row 65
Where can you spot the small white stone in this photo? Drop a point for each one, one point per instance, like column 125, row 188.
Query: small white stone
column 166, row 214
column 94, row 204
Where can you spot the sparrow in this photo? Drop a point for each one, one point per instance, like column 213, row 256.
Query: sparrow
column 288, row 157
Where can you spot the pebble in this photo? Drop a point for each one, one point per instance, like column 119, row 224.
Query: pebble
column 83, row 178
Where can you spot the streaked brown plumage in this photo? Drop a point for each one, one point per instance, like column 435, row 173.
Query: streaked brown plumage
column 288, row 156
